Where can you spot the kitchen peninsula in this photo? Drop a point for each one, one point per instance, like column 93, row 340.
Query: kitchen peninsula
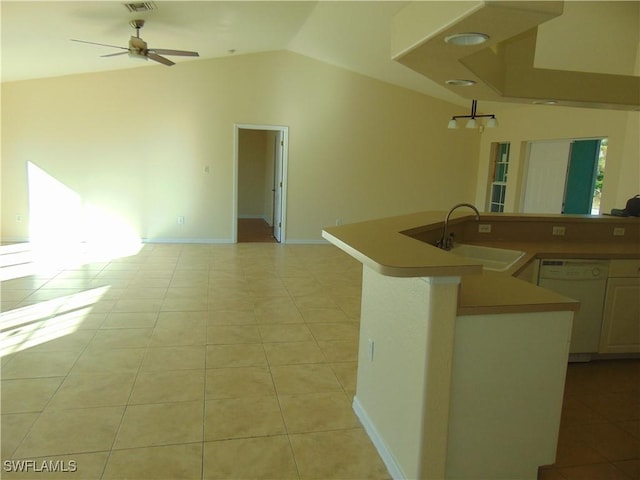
column 460, row 369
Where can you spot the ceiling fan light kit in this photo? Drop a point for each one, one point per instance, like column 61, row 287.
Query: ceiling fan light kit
column 138, row 48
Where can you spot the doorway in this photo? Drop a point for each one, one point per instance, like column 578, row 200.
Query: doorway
column 564, row 176
column 260, row 160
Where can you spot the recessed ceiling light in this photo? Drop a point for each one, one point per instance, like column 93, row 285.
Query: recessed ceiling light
column 466, row 39
column 458, row 82
column 545, row 102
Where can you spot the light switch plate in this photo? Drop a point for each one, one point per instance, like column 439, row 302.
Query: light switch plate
column 558, row 230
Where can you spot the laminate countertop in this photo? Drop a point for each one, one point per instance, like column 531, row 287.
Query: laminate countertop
column 387, row 246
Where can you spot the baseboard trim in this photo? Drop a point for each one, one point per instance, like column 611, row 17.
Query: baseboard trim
column 392, row 466
column 186, row 240
column 11, row 240
column 300, row 241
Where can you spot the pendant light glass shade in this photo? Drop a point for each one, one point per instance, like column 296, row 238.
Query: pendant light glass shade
column 472, row 122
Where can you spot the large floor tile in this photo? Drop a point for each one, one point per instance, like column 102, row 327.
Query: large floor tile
column 93, row 390
column 160, row 424
column 29, row 364
column 256, row 458
column 291, row 353
column 285, row 333
column 178, row 334
column 168, row 386
column 242, row 417
column 609, row 440
column 13, row 428
column 340, row 454
column 238, row 382
column 347, row 374
column 232, row 334
column 130, row 320
column 101, row 360
column 27, row 394
column 309, row 378
column 149, row 305
column 340, row 350
column 241, row 355
column 314, row 412
column 179, row 462
column 186, row 320
column 190, row 357
column 122, row 338
column 65, row 432
column 601, row 471
column 324, row 315
column 334, row 331
column 244, row 316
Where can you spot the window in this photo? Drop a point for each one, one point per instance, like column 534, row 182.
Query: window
column 498, row 177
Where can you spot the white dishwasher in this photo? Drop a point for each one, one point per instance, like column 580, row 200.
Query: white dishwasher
column 585, row 281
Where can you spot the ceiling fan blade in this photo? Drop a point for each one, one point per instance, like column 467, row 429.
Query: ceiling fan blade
column 114, row 54
column 101, row 44
column 159, row 59
column 181, row 53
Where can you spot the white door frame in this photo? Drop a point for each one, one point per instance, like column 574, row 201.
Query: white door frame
column 284, row 135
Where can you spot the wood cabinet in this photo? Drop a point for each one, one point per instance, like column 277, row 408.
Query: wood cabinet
column 621, row 319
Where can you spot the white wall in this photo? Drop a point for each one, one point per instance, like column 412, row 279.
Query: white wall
column 134, row 144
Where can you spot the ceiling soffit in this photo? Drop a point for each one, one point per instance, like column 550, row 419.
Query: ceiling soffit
column 504, row 67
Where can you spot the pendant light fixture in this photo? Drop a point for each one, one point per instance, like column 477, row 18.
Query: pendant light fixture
column 472, row 123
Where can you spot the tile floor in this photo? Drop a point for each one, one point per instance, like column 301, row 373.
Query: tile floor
column 226, row 362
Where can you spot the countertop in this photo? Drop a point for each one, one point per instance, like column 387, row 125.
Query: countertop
column 381, row 245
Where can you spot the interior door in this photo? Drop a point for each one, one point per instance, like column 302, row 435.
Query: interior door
column 546, row 176
column 581, row 178
column 277, row 187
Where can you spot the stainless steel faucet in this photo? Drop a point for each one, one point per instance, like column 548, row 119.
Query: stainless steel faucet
column 447, row 242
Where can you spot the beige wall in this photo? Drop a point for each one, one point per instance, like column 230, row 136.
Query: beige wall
column 133, row 145
column 520, row 124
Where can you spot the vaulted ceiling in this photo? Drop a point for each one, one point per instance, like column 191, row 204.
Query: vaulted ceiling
column 533, row 46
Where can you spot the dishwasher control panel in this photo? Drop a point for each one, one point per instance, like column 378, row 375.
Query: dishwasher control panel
column 573, row 269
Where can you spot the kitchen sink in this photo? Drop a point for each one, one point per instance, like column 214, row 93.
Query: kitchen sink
column 496, row 259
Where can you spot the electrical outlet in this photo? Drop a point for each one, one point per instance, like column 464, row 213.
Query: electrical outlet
column 484, row 228
column 180, row 220
column 338, row 222
column 618, row 231
column 206, row 169
column 558, row 231
column 371, row 345
column 18, row 218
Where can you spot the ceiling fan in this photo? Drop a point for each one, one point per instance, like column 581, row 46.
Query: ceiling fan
column 138, row 48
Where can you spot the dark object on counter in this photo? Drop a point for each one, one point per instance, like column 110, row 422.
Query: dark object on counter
column 632, row 209
column 633, row 206
column 617, row 212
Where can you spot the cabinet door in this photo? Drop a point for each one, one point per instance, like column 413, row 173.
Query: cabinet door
column 621, row 322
